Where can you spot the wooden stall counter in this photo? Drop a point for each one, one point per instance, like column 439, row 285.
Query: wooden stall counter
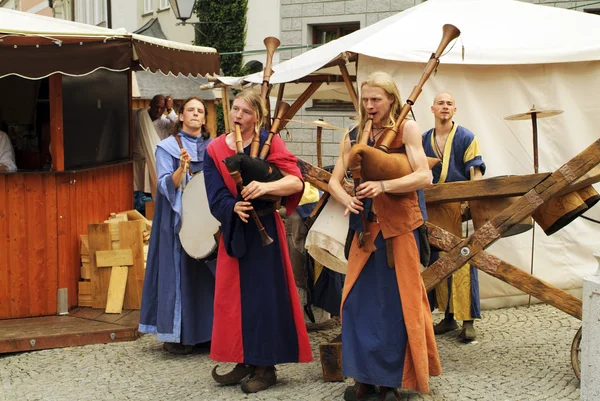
column 42, row 214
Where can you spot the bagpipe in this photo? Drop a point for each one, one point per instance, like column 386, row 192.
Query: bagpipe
column 245, row 168
column 367, row 163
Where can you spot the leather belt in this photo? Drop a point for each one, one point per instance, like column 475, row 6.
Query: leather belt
column 268, row 211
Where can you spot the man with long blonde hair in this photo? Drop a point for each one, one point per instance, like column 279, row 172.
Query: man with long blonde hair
column 387, row 330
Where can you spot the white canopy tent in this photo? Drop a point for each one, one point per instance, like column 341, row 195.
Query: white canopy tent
column 516, row 55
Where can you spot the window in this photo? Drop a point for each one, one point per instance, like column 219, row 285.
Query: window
column 592, row 10
column 91, row 12
column 148, row 6
column 99, row 12
column 325, row 33
column 164, row 4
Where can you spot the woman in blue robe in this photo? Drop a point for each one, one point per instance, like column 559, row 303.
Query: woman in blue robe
column 178, row 294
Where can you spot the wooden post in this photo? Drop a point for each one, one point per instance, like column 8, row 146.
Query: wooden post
column 308, row 92
column 349, row 86
column 225, row 103
column 56, row 123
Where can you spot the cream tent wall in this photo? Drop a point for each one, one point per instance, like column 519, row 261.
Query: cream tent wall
column 484, row 96
column 515, row 55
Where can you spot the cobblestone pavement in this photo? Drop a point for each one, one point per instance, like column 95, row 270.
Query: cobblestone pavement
column 520, row 354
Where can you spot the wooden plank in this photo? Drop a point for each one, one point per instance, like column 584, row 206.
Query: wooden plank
column 86, row 271
column 56, row 122
column 73, row 269
column 99, row 240
column 505, row 220
column 84, row 247
column 35, row 242
column 51, row 241
column 84, row 287
column 58, row 332
column 17, row 261
column 131, row 234
column 116, row 289
column 4, row 250
column 119, row 257
column 150, row 210
column 510, row 274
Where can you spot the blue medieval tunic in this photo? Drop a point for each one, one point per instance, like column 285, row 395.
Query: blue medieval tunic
column 387, row 329
column 460, row 293
column 177, row 299
column 258, row 319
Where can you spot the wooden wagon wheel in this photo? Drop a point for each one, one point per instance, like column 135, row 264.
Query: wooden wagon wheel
column 576, row 353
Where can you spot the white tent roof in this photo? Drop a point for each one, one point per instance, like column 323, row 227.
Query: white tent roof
column 492, row 31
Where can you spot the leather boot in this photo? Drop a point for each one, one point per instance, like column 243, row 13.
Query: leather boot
column 360, row 392
column 261, row 379
column 235, row 376
column 446, row 324
column 388, row 394
column 178, row 349
column 468, row 332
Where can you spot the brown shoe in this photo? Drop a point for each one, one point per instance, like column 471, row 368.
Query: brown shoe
column 259, row 381
column 360, row 392
column 468, row 332
column 388, row 394
column 444, row 326
column 235, row 376
column 178, row 349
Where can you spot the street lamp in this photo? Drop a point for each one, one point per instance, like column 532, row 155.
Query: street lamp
column 182, row 9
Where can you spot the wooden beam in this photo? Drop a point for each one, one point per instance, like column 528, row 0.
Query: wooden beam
column 505, row 220
column 510, row 274
column 116, row 289
column 349, row 86
column 501, row 187
column 115, row 257
column 57, row 146
column 308, row 92
column 467, row 190
column 318, row 177
column 325, row 78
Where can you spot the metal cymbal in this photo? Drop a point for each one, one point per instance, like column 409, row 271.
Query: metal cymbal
column 538, row 113
column 318, row 123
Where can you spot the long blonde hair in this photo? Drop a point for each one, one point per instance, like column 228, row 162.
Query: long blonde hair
column 384, row 81
column 256, row 103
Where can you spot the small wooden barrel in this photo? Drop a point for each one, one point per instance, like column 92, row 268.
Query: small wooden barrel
column 331, row 361
column 483, row 211
column 559, row 211
column 589, row 195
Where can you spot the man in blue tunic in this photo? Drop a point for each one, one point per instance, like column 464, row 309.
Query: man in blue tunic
column 177, row 300
column 458, row 296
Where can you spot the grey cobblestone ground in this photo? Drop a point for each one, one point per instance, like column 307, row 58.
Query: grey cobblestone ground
column 521, row 354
